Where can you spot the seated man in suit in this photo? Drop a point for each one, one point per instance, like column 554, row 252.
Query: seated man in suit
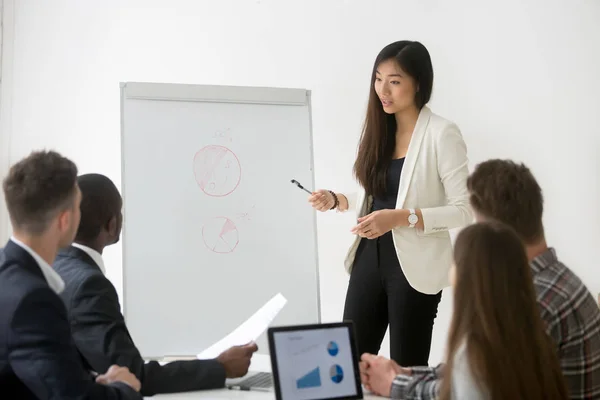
column 504, row 191
column 97, row 324
column 38, row 359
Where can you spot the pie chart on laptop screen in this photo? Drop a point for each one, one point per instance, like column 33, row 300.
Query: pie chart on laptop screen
column 333, row 349
column 336, row 373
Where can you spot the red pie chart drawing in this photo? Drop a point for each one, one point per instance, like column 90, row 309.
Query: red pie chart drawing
column 220, row 235
column 217, row 170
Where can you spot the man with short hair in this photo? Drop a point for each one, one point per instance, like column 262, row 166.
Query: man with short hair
column 38, row 359
column 97, row 324
column 507, row 192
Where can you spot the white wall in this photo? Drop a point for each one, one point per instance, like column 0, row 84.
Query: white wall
column 520, row 78
column 6, row 30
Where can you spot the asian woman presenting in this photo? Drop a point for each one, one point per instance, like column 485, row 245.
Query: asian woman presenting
column 412, row 170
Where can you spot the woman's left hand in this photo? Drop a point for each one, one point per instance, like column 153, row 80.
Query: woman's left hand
column 377, row 223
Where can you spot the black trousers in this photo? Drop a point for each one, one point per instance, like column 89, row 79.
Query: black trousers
column 378, row 295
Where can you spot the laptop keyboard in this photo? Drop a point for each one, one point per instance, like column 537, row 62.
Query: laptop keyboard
column 258, row 380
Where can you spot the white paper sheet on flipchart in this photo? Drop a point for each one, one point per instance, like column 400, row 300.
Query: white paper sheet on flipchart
column 248, row 331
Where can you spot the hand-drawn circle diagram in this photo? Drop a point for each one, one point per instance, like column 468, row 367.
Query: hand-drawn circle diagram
column 217, row 170
column 220, row 235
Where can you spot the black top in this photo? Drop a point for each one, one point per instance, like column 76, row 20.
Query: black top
column 102, row 338
column 388, row 201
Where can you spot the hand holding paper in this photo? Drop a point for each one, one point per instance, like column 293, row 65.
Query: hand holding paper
column 236, row 360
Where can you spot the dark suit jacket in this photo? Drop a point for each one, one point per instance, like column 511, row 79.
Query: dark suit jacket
column 100, row 333
column 38, row 359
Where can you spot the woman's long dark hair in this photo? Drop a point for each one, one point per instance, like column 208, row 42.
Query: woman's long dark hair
column 497, row 317
column 378, row 139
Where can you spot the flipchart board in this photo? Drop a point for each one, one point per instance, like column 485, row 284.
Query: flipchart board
column 213, row 228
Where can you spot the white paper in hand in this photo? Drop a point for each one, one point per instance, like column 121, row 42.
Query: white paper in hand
column 250, row 330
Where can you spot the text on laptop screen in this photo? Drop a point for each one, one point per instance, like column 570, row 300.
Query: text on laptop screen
column 315, row 364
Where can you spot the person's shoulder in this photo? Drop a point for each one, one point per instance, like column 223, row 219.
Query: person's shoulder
column 464, row 383
column 461, row 351
column 89, row 286
column 560, row 291
column 460, row 361
column 560, row 280
column 17, row 280
column 75, row 271
column 441, row 127
column 66, row 261
column 96, row 279
column 439, row 122
column 17, row 287
column 569, row 310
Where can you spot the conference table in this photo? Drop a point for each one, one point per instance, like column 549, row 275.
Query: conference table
column 228, row 394
column 260, row 363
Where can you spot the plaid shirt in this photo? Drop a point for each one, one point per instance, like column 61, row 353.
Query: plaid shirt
column 572, row 319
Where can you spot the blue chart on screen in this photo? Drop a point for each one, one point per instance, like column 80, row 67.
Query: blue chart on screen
column 333, row 349
column 310, row 380
column 336, row 373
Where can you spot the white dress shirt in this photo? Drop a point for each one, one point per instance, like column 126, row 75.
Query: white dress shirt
column 97, row 257
column 54, row 280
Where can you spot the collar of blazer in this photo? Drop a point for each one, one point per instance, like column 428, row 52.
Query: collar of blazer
column 412, row 155
column 362, row 203
column 50, row 275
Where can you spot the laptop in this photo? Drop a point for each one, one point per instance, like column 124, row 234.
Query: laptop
column 310, row 362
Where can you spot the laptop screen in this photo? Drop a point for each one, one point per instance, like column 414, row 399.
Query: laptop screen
column 315, row 362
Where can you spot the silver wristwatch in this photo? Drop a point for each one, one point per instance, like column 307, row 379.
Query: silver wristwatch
column 413, row 218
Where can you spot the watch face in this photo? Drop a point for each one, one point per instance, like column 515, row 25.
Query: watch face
column 413, row 219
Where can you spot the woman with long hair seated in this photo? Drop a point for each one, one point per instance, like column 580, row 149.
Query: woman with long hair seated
column 497, row 345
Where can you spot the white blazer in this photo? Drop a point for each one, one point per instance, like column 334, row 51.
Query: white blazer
column 433, row 179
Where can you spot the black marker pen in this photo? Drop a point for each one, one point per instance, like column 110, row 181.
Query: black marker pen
column 295, row 182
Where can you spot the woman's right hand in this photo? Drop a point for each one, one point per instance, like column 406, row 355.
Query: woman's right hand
column 321, row 200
